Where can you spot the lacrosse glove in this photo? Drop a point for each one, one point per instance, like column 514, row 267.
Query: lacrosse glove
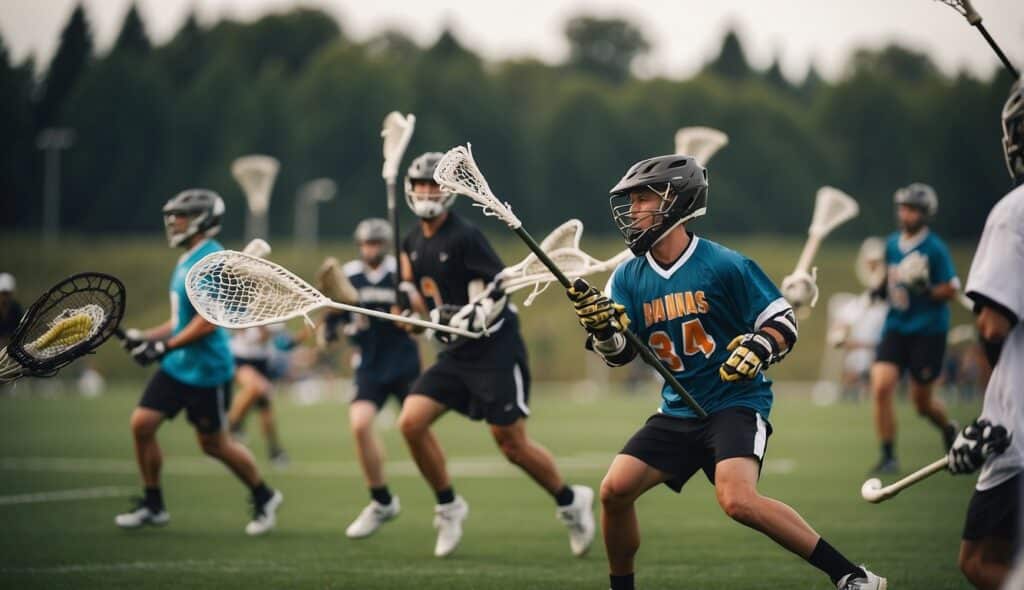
column 148, row 352
column 599, row 315
column 978, row 441
column 751, row 353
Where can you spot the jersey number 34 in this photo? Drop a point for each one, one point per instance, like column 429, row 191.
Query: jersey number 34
column 695, row 340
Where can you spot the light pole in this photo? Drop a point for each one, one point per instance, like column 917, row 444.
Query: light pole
column 310, row 195
column 51, row 141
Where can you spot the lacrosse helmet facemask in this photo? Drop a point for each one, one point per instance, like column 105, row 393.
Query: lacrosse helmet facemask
column 204, row 210
column 426, row 204
column 681, row 183
column 1013, row 131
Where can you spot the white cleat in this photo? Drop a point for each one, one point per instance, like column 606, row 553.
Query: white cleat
column 448, row 522
column 140, row 516
column 264, row 517
column 579, row 519
column 872, row 582
column 370, row 519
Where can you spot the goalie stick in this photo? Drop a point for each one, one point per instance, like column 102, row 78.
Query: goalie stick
column 458, row 172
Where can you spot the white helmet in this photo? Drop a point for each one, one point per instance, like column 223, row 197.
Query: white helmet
column 7, row 283
column 426, row 205
column 204, row 208
column 374, row 229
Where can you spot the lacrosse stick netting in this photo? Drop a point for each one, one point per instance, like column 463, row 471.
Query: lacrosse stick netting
column 458, row 173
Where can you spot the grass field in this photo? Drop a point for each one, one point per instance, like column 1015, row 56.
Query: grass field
column 816, row 462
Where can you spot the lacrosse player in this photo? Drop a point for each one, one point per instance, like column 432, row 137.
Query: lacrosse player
column 991, row 531
column 920, row 282
column 716, row 321
column 386, row 363
column 253, row 349
column 196, row 369
column 445, row 262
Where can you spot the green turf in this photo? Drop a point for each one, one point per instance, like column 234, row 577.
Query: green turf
column 817, row 460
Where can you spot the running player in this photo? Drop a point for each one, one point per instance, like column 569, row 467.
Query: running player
column 716, row 321
column 252, row 349
column 991, row 531
column 445, row 261
column 386, row 362
column 920, row 282
column 195, row 374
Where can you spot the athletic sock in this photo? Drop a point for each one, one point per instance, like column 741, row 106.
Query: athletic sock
column 621, row 582
column 381, row 495
column 564, row 496
column 827, row 559
column 887, row 452
column 261, row 493
column 445, row 496
column 154, row 498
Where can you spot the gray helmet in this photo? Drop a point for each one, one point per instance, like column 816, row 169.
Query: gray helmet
column 683, row 184
column 1013, row 131
column 374, row 229
column 203, row 207
column 426, row 205
column 919, row 195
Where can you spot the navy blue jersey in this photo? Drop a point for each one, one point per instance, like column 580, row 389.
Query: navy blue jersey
column 917, row 313
column 690, row 312
column 387, row 352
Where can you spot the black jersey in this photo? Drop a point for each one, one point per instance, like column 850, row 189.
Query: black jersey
column 443, row 266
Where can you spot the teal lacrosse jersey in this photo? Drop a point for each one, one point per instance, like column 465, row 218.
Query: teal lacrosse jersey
column 917, row 313
column 690, row 312
column 207, row 362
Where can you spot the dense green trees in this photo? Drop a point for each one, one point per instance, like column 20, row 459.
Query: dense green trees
column 151, row 120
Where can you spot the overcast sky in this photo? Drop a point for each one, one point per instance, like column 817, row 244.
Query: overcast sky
column 685, row 33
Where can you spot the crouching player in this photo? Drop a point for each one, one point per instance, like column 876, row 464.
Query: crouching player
column 716, row 321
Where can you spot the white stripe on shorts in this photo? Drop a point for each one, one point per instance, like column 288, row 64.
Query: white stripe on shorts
column 760, row 438
column 517, row 374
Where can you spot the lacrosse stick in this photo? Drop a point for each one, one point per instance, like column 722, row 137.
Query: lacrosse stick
column 70, row 320
column 967, row 11
column 331, row 281
column 832, row 208
column 873, row 492
column 563, row 247
column 234, row 290
column 700, row 142
column 396, row 132
column 458, row 172
column 256, row 175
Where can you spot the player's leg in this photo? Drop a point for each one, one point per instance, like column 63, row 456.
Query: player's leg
column 884, row 377
column 362, row 412
column 418, row 414
column 268, row 424
column 925, row 364
column 985, row 562
column 990, row 534
column 251, row 386
column 626, row 480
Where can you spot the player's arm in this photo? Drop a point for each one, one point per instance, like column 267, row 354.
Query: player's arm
column 942, row 291
column 994, row 322
column 149, row 351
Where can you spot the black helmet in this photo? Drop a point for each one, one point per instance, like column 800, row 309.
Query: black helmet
column 1013, row 131
column 205, row 209
column 919, row 195
column 426, row 205
column 683, row 186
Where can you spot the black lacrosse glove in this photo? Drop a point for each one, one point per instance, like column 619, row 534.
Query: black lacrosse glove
column 132, row 338
column 751, row 353
column 149, row 352
column 978, row 441
column 599, row 315
column 443, row 314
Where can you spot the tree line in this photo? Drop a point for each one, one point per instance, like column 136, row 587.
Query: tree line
column 150, row 120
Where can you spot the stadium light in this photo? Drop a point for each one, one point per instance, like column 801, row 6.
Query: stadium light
column 51, row 141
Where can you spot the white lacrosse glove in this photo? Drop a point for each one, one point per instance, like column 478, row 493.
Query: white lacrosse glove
column 978, row 441
column 482, row 315
column 912, row 271
column 801, row 289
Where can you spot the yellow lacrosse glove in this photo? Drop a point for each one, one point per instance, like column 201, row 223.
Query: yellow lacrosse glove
column 598, row 314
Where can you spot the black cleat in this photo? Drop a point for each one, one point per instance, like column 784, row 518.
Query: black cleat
column 888, row 465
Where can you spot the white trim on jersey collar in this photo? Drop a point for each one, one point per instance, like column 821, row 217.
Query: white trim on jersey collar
column 908, row 245
column 774, row 308
column 667, row 273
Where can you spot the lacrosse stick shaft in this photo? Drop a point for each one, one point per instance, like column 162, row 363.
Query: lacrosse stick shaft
column 807, row 255
column 923, row 473
column 645, row 352
column 1002, row 56
column 403, row 319
column 400, row 297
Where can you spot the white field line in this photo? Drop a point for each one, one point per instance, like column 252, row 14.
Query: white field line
column 185, row 565
column 489, row 466
column 67, row 495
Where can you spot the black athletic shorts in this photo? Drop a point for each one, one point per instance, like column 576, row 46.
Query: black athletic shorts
column 681, row 446
column 921, row 354
column 262, row 366
column 498, row 395
column 204, row 406
column 370, row 389
column 995, row 512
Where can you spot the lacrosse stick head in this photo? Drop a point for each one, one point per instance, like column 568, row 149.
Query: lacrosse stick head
column 256, row 174
column 396, row 131
column 458, row 173
column 870, row 265
column 832, row 208
column 235, row 290
column 700, row 142
column 965, row 9
column 258, row 248
column 872, row 491
column 71, row 319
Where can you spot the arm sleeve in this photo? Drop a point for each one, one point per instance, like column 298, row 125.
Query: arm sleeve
column 482, row 262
